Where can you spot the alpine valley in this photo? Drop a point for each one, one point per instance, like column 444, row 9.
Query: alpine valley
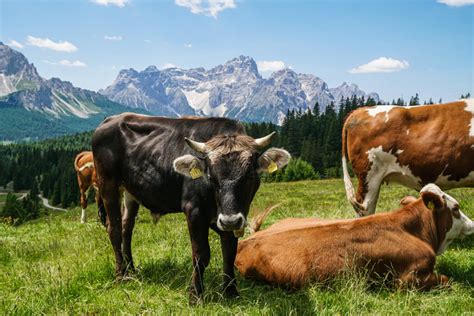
column 32, row 107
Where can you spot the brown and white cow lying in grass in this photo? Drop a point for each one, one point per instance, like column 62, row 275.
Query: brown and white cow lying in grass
column 86, row 177
column 402, row 244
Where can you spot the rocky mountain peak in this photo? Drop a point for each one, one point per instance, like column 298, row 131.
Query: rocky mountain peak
column 234, row 89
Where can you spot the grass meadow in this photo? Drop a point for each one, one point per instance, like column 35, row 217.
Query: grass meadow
column 55, row 265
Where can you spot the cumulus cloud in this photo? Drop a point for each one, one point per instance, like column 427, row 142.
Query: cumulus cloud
column 456, row 3
column 114, row 38
column 118, row 3
column 49, row 44
column 67, row 63
column 188, row 45
column 381, row 64
column 206, row 7
column 269, row 66
column 15, row 44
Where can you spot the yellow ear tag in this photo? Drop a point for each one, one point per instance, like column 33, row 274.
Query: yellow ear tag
column 431, row 205
column 272, row 167
column 195, row 173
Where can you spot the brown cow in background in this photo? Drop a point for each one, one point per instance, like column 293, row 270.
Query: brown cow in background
column 86, row 177
column 402, row 244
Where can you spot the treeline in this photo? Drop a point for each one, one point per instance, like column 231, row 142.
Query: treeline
column 313, row 136
column 46, row 166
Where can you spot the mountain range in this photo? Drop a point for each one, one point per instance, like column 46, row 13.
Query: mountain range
column 32, row 107
column 235, row 89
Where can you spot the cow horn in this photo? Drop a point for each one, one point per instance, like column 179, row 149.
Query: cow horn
column 197, row 146
column 264, row 141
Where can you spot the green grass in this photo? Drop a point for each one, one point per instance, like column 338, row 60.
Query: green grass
column 56, row 265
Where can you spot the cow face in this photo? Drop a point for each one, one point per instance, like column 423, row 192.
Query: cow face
column 451, row 223
column 232, row 164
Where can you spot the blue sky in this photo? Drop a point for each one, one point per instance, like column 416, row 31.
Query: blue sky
column 394, row 47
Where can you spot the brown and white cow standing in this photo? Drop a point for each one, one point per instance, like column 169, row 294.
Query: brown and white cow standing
column 86, row 177
column 402, row 244
column 412, row 146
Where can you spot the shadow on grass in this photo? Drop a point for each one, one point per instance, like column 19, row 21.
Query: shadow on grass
column 177, row 276
column 166, row 271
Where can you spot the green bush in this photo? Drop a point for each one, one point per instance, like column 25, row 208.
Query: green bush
column 17, row 211
column 297, row 169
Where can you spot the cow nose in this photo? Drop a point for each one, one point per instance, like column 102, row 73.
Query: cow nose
column 230, row 222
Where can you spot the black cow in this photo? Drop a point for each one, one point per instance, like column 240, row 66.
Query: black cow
column 205, row 167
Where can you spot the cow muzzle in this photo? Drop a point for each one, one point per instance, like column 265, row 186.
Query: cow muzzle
column 231, row 222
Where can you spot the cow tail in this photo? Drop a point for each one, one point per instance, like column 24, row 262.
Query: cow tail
column 350, row 193
column 257, row 221
column 76, row 161
column 102, row 214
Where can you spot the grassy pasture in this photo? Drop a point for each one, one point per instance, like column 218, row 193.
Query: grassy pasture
column 56, row 265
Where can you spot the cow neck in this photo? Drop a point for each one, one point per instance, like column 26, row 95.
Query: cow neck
column 420, row 222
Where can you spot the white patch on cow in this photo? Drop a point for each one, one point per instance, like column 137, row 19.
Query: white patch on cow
column 470, row 108
column 443, row 180
column 87, row 165
column 385, row 167
column 373, row 111
column 83, row 216
column 461, row 226
column 399, row 151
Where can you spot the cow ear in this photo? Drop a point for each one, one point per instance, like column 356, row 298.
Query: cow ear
column 273, row 159
column 432, row 200
column 189, row 166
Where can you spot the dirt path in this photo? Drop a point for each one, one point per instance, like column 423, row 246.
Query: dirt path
column 47, row 205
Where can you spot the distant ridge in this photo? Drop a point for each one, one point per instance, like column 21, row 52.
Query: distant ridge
column 235, row 89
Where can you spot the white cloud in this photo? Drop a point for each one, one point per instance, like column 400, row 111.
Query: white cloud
column 188, row 45
column 114, row 38
column 381, row 64
column 168, row 65
column 49, row 44
column 268, row 66
column 118, row 3
column 207, row 7
column 456, row 3
column 67, row 63
column 15, row 44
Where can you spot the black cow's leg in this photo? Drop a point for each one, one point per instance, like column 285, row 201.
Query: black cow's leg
column 199, row 231
column 229, row 251
column 111, row 197
column 128, row 222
